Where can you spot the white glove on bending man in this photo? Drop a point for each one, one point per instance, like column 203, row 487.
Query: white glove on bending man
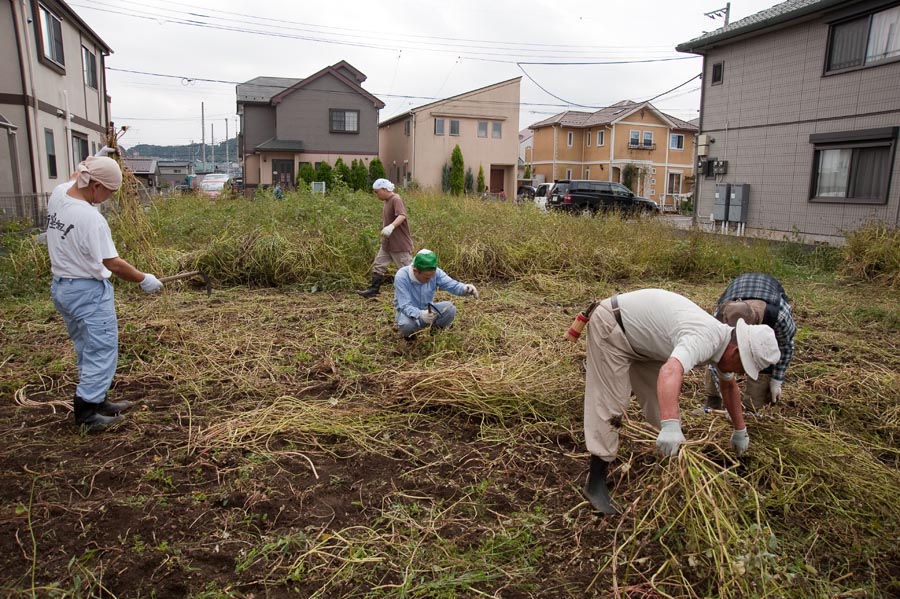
column 104, row 151
column 740, row 440
column 670, row 437
column 471, row 290
column 151, row 284
column 775, row 390
column 386, row 232
column 427, row 317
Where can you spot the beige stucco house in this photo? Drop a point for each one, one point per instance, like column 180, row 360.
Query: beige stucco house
column 54, row 108
column 600, row 145
column 484, row 123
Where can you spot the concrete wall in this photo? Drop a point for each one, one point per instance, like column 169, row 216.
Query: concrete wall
column 304, row 115
column 772, row 97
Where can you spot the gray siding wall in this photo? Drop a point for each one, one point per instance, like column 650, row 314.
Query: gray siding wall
column 10, row 74
column 773, row 96
column 304, row 116
column 259, row 125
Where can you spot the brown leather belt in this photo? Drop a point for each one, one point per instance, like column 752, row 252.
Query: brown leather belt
column 614, row 303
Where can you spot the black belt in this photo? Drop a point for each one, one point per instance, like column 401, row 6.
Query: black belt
column 614, row 303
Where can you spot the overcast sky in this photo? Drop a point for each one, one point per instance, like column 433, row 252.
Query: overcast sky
column 412, row 52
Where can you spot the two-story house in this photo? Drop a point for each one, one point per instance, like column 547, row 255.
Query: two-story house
column 799, row 114
column 54, row 107
column 484, row 123
column 286, row 122
column 628, row 142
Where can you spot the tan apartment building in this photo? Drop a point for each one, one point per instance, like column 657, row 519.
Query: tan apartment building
column 483, row 122
column 626, row 142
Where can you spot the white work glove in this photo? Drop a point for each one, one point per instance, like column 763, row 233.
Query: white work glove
column 740, row 440
column 471, row 290
column 386, row 232
column 151, row 284
column 775, row 390
column 427, row 317
column 670, row 437
column 104, row 151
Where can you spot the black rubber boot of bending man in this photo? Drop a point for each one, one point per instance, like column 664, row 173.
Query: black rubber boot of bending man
column 713, row 402
column 111, row 408
column 88, row 416
column 595, row 490
column 372, row 290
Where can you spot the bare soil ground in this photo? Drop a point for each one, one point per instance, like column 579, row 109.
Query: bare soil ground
column 287, row 444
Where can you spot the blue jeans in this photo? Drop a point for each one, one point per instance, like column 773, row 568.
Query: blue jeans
column 89, row 311
column 408, row 325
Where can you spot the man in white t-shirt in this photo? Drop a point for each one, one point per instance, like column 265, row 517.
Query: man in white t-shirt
column 82, row 258
column 645, row 341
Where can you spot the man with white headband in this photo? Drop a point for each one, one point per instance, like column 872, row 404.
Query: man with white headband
column 396, row 241
column 82, row 258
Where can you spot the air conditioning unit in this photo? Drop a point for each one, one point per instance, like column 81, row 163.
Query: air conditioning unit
column 702, row 150
column 703, row 140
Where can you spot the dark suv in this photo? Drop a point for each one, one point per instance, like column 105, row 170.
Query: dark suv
column 590, row 197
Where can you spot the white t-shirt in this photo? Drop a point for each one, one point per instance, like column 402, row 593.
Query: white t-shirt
column 78, row 237
column 660, row 325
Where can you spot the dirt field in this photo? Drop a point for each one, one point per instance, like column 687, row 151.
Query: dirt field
column 287, row 444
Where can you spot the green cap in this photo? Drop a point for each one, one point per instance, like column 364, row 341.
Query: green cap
column 425, row 260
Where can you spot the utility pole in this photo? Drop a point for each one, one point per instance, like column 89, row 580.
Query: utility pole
column 227, row 161
column 203, row 132
column 720, row 12
column 212, row 143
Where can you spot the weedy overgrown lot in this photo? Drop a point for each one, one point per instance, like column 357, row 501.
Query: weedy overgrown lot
column 286, row 443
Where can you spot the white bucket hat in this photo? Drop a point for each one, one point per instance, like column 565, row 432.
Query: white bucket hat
column 757, row 346
column 383, row 184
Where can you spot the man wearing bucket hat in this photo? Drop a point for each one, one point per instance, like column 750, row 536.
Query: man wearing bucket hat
column 758, row 298
column 414, row 289
column 396, row 241
column 82, row 258
column 645, row 341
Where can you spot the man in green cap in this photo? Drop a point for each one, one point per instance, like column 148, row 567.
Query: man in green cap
column 414, row 289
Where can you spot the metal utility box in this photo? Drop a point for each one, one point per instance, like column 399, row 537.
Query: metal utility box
column 723, row 199
column 739, row 203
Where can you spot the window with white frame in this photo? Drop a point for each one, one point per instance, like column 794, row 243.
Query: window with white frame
column 676, row 141
column 674, row 183
column 438, row 126
column 344, row 121
column 482, row 128
column 864, row 40
column 79, row 147
column 50, row 142
column 634, row 137
column 588, row 137
column 601, row 138
column 89, row 65
column 648, row 139
column 496, row 130
column 853, row 166
column 570, row 139
column 454, row 127
column 51, row 36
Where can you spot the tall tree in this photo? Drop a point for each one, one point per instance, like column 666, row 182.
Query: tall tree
column 480, row 178
column 341, row 174
column 470, row 181
column 457, row 172
column 376, row 170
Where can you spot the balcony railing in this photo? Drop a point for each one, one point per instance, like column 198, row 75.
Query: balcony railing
column 640, row 146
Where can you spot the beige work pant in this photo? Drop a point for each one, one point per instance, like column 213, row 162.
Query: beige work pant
column 756, row 394
column 384, row 258
column 613, row 371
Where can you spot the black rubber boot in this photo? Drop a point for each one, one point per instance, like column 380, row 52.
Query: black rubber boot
column 713, row 402
column 595, row 490
column 88, row 417
column 111, row 408
column 372, row 290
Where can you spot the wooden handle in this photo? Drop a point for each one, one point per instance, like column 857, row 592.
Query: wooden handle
column 184, row 275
